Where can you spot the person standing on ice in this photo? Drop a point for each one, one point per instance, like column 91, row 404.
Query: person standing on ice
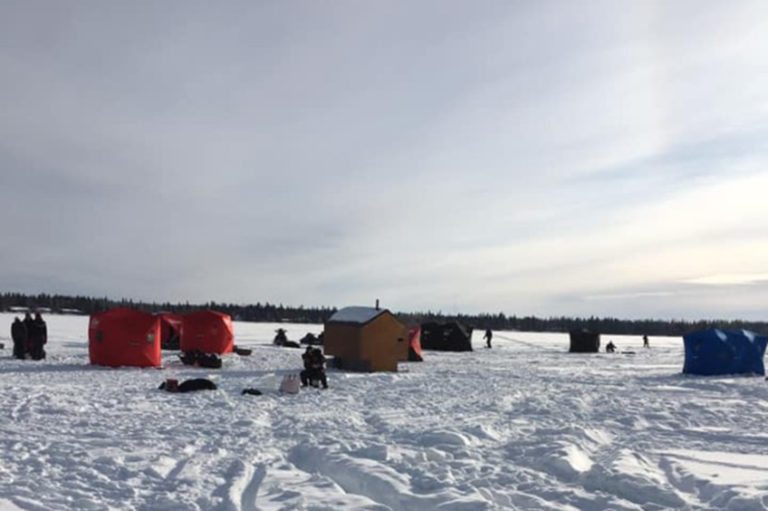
column 38, row 336
column 306, row 357
column 646, row 344
column 19, row 336
column 488, row 336
column 28, row 324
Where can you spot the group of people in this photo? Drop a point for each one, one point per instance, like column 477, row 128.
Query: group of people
column 610, row 347
column 29, row 337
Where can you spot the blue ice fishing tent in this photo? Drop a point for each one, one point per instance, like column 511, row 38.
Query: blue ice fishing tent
column 715, row 351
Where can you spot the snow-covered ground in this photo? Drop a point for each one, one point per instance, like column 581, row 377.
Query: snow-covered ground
column 524, row 425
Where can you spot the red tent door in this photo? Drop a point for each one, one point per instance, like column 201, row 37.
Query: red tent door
column 414, row 348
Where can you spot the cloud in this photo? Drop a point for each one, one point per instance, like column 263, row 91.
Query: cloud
column 526, row 158
column 730, row 279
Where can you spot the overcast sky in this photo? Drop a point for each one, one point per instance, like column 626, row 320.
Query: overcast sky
column 548, row 158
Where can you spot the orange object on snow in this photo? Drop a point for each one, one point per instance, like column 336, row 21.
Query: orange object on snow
column 414, row 344
column 207, row 331
column 124, row 337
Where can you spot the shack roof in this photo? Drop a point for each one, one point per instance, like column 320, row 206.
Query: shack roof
column 357, row 315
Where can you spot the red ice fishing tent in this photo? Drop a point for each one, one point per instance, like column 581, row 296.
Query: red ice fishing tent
column 414, row 344
column 207, row 331
column 124, row 337
column 170, row 330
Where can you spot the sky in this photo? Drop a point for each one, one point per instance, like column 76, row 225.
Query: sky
column 532, row 158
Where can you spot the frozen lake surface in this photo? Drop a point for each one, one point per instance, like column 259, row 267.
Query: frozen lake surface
column 524, row 426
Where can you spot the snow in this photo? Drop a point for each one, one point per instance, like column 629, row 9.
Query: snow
column 356, row 314
column 522, row 426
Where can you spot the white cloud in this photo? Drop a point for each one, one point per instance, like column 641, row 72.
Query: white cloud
column 539, row 158
column 729, row 279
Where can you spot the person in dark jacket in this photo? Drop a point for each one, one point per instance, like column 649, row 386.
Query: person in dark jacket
column 280, row 337
column 306, row 357
column 28, row 324
column 19, row 336
column 488, row 336
column 38, row 337
column 314, row 368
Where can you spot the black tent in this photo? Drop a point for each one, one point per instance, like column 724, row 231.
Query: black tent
column 584, row 341
column 446, row 337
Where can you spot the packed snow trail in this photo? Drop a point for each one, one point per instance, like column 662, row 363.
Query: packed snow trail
column 524, row 425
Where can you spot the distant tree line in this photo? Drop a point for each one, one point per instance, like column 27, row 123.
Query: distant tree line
column 259, row 312
column 612, row 326
column 267, row 312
